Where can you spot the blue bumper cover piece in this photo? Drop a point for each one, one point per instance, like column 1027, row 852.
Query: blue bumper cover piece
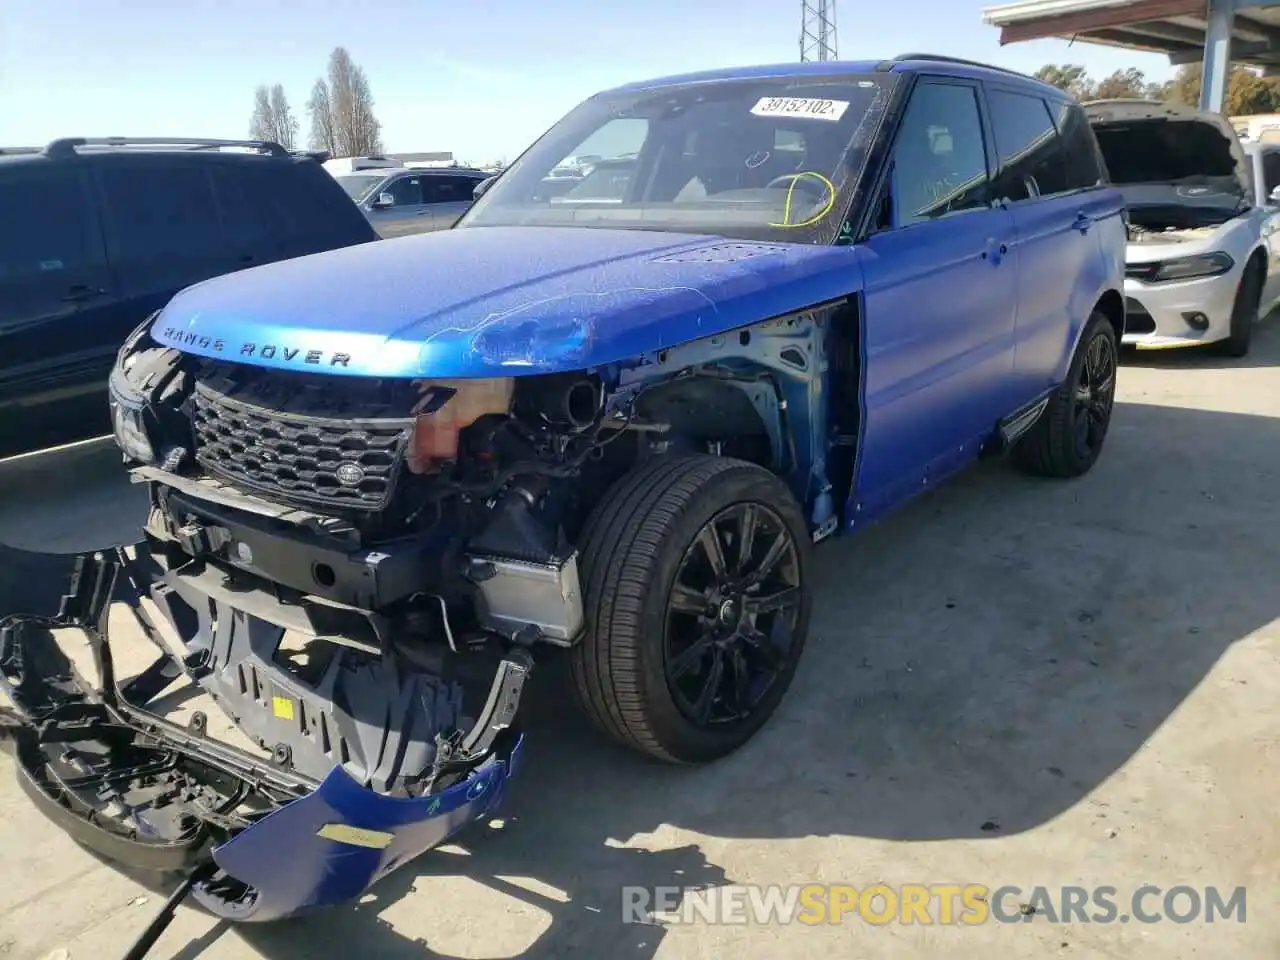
column 331, row 845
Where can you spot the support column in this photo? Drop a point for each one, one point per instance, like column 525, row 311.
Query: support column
column 1217, row 55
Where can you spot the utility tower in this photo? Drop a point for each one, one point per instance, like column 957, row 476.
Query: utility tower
column 817, row 30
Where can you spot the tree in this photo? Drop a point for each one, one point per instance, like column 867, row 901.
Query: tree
column 286, row 122
column 1130, row 84
column 1069, row 77
column 1246, row 91
column 341, row 109
column 320, row 110
column 272, row 119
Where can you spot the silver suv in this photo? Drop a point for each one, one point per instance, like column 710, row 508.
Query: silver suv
column 403, row 201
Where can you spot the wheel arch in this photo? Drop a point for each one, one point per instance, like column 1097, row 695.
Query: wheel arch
column 1111, row 305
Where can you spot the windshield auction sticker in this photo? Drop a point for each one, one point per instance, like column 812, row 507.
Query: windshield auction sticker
column 814, row 109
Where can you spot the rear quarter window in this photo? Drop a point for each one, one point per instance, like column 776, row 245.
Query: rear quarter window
column 310, row 208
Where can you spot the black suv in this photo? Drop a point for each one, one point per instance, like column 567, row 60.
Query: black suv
column 97, row 234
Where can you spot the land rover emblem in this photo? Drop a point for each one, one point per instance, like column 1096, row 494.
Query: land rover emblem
column 349, row 474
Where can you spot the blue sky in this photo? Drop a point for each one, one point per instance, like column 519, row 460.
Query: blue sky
column 482, row 78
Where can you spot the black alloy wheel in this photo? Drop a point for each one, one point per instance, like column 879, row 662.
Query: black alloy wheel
column 1095, row 394
column 732, row 615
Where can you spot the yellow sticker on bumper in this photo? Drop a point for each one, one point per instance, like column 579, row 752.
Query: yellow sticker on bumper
column 356, row 836
column 282, row 707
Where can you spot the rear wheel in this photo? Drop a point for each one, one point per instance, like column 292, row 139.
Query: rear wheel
column 1244, row 312
column 695, row 579
column 1067, row 439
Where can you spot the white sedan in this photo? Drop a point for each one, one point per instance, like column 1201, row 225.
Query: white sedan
column 1203, row 258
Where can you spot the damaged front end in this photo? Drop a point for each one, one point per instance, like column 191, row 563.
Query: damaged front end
column 346, row 772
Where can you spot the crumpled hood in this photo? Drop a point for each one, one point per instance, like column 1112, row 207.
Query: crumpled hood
column 487, row 301
column 1145, row 141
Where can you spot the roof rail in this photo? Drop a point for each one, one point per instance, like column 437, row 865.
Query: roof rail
column 66, row 146
column 319, row 156
column 940, row 58
column 13, row 151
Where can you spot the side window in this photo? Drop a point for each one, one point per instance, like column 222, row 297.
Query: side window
column 1033, row 162
column 407, row 191
column 48, row 225
column 1085, row 166
column 1270, row 173
column 162, row 211
column 246, row 206
column 447, row 189
column 939, row 158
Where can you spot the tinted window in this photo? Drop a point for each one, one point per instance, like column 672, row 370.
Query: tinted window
column 161, row 209
column 1084, row 161
column 1033, row 162
column 245, row 205
column 309, row 206
column 407, row 191
column 939, row 159
column 1270, row 172
column 47, row 224
column 447, row 189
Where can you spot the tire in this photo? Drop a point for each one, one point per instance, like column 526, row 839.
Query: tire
column 1244, row 312
column 627, row 670
column 1058, row 445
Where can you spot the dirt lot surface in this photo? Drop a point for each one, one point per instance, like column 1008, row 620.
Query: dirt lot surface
column 1009, row 683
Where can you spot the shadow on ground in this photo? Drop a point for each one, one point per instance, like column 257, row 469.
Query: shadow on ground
column 978, row 664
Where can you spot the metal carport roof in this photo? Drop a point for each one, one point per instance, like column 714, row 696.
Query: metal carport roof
column 1178, row 28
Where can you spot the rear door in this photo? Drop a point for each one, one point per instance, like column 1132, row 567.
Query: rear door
column 408, row 213
column 162, row 227
column 1056, row 199
column 250, row 226
column 939, row 280
column 59, row 312
column 449, row 196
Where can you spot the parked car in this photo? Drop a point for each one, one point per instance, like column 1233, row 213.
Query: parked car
column 1203, row 250
column 405, row 201
column 608, row 433
column 99, row 234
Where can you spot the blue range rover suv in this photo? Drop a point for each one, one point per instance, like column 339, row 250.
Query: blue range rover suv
column 604, row 424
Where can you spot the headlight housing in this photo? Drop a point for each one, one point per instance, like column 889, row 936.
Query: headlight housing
column 130, row 431
column 127, row 405
column 1191, row 268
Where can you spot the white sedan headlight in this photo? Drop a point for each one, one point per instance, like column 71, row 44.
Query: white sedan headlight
column 1192, row 268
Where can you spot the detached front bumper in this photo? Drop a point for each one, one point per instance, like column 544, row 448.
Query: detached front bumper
column 1184, row 313
column 264, row 840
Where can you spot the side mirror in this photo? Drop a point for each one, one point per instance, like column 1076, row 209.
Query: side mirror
column 383, row 200
column 482, row 187
column 1274, row 196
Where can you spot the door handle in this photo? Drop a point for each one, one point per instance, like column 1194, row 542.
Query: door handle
column 81, row 292
column 1083, row 222
column 994, row 250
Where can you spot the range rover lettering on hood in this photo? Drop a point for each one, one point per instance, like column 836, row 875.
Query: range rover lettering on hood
column 250, row 350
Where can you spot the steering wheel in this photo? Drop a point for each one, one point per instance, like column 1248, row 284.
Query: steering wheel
column 815, row 184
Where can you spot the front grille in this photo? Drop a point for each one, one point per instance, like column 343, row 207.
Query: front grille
column 328, row 462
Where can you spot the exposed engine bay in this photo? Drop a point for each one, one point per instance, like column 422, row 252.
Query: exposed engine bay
column 400, row 527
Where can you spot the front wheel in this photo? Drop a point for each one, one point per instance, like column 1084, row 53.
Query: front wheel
column 1067, row 439
column 1244, row 312
column 695, row 579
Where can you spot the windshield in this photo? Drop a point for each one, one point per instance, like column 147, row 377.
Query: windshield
column 760, row 159
column 359, row 186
